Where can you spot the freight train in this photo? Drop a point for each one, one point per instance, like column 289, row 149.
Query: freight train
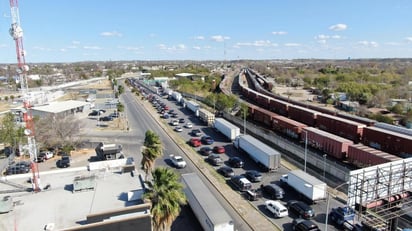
column 334, row 134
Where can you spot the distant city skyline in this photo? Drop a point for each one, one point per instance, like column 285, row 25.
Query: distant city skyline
column 73, row 31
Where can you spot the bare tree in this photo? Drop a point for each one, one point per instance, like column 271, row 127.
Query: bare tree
column 58, row 130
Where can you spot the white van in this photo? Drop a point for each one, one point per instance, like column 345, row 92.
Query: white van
column 276, row 208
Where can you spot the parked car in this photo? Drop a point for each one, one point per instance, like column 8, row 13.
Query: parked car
column 47, row 154
column 276, row 208
column 215, row 160
column 195, row 142
column 178, row 129
column 226, row 171
column 219, row 149
column 17, row 169
column 182, row 120
column 301, row 209
column 304, row 225
column 273, row 191
column 64, row 162
column 196, row 132
column 114, row 115
column 253, row 175
column 95, row 113
column 106, row 118
column 40, row 158
column 235, row 162
column 241, row 183
column 206, row 150
column 174, row 122
column 188, row 125
column 207, row 140
column 178, row 161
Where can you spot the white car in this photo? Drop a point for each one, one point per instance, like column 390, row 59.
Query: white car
column 276, row 208
column 178, row 161
column 178, row 129
column 174, row 122
column 188, row 125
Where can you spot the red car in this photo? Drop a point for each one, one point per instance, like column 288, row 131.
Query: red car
column 195, row 142
column 219, row 149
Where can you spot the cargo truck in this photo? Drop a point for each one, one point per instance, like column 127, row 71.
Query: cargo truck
column 206, row 116
column 208, row 210
column 307, row 185
column 193, row 106
column 226, row 128
column 267, row 157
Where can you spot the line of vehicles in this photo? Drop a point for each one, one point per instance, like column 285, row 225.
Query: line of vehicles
column 329, row 133
column 242, row 183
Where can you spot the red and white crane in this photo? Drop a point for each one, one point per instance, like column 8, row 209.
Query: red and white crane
column 17, row 33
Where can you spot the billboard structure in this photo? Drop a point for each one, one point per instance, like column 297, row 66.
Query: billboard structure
column 381, row 194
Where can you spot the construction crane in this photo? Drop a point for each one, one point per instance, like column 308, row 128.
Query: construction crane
column 17, row 33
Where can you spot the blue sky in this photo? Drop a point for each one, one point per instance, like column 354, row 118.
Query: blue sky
column 92, row 30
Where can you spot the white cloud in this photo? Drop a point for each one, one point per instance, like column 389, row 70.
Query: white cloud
column 408, row 39
column 219, row 38
column 199, row 37
column 279, row 32
column 3, row 45
column 92, row 48
column 75, row 42
column 41, row 48
column 178, row 47
column 368, row 43
column 63, row 50
column 130, row 48
column 322, row 41
column 338, row 27
column 322, row 37
column 258, row 43
column 393, row 43
column 292, row 44
column 196, row 48
column 335, row 36
column 111, row 34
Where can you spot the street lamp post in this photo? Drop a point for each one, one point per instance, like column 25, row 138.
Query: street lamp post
column 306, row 149
column 324, row 167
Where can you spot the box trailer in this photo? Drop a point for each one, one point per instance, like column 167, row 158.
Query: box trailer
column 206, row 116
column 208, row 210
column 307, row 185
column 226, row 128
column 261, row 153
column 193, row 106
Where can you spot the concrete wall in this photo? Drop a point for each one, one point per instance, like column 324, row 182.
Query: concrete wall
column 130, row 218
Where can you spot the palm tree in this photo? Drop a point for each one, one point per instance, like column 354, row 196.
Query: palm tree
column 166, row 194
column 151, row 151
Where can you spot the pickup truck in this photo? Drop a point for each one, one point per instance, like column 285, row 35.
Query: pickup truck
column 178, row 161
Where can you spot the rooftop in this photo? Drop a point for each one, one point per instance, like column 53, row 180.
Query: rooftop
column 60, row 205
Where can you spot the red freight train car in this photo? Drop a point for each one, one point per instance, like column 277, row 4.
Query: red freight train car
column 279, row 107
column 364, row 156
column 261, row 115
column 263, row 100
column 303, row 115
column 388, row 141
column 330, row 144
column 341, row 127
column 287, row 126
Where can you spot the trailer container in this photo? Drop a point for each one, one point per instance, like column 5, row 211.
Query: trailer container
column 261, row 153
column 364, row 156
column 307, row 185
column 206, row 116
column 176, row 96
column 210, row 213
column 228, row 129
column 333, row 145
column 388, row 141
column 341, row 127
column 263, row 100
column 303, row 115
column 394, row 128
column 193, row 106
column 287, row 126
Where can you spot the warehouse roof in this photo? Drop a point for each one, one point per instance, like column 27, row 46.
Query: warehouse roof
column 61, row 106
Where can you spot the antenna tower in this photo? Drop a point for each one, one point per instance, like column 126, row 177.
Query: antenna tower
column 17, row 33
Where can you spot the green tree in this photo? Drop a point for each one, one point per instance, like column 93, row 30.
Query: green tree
column 10, row 133
column 166, row 194
column 151, row 151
